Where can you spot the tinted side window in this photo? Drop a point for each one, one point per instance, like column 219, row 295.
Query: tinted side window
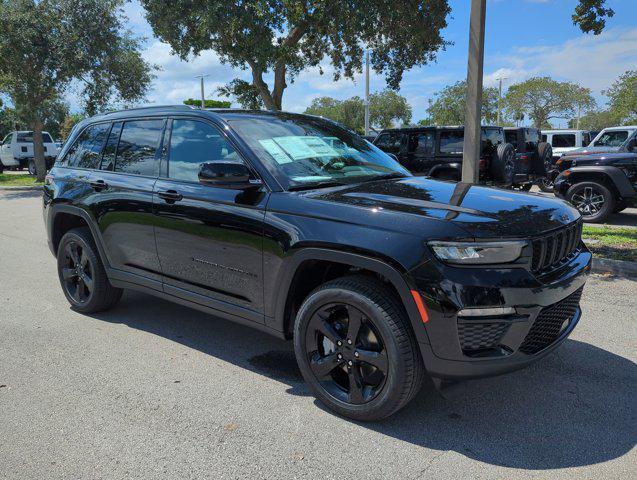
column 389, row 142
column 7, row 139
column 137, row 148
column 532, row 139
column 108, row 157
column 451, row 142
column 193, row 143
column 422, row 143
column 85, row 152
column 564, row 140
column 511, row 137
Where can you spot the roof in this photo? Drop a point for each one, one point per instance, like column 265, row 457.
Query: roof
column 564, row 130
column 625, row 127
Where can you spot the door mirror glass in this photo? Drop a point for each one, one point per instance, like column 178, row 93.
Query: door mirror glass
column 228, row 174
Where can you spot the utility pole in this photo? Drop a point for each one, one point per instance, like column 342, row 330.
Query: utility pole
column 203, row 98
column 579, row 113
column 500, row 98
column 473, row 108
column 367, row 92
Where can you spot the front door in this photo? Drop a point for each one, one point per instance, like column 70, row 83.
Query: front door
column 6, row 154
column 420, row 150
column 209, row 238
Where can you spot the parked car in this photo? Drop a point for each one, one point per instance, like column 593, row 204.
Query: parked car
column 16, row 150
column 608, row 140
column 437, row 152
column 533, row 158
column 600, row 184
column 564, row 141
column 377, row 276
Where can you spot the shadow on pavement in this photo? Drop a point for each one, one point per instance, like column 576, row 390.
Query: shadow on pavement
column 576, row 407
column 19, row 194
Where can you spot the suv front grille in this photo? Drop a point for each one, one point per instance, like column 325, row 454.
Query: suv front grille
column 480, row 336
column 552, row 250
column 550, row 323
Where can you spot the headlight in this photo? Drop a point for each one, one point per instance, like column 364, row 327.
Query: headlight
column 477, row 253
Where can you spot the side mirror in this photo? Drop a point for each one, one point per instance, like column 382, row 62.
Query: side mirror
column 632, row 145
column 227, row 174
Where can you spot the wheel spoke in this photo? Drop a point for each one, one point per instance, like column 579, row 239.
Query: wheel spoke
column 355, row 319
column 76, row 292
column 68, row 273
column 328, row 330
column 355, row 393
column 84, row 259
column 322, row 366
column 73, row 253
column 88, row 284
column 376, row 359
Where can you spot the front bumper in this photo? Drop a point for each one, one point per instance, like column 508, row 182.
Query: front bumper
column 495, row 344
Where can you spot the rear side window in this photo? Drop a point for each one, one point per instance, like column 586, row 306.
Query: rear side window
column 561, row 140
column 389, row 141
column 193, row 143
column 451, row 141
column 532, row 139
column 87, row 149
column 27, row 137
column 137, row 148
column 422, row 143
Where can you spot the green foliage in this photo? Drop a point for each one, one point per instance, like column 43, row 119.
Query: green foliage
column 590, row 15
column 8, row 121
column 246, row 94
column 622, row 97
column 68, row 123
column 208, row 103
column 448, row 105
column 46, row 46
column 595, row 120
column 543, row 98
column 386, row 109
column 286, row 37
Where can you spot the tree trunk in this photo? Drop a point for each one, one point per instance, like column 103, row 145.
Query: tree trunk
column 38, row 150
column 279, row 85
column 257, row 81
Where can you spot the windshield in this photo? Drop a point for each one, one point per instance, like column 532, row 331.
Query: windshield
column 611, row 139
column 304, row 151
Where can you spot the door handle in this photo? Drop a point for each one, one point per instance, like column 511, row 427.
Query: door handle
column 99, row 185
column 170, row 196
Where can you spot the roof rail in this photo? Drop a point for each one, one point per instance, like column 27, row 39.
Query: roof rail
column 154, row 107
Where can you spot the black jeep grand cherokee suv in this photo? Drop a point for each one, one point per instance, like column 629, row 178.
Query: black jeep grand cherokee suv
column 293, row 225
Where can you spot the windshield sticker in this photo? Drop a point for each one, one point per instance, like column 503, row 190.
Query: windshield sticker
column 275, row 151
column 301, row 147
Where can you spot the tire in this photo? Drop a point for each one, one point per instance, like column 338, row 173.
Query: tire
column 545, row 156
column 31, row 167
column 545, row 185
column 384, row 338
column 502, row 166
column 78, row 262
column 593, row 200
column 449, row 175
column 525, row 187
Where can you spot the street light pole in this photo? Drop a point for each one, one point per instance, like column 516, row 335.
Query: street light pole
column 367, row 92
column 473, row 107
column 203, row 98
column 500, row 98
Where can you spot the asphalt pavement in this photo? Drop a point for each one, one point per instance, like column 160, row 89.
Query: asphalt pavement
column 156, row 390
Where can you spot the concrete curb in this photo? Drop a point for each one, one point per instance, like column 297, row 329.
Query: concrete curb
column 620, row 268
column 35, row 188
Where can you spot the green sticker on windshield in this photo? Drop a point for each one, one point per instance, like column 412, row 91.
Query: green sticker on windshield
column 275, row 151
column 301, row 147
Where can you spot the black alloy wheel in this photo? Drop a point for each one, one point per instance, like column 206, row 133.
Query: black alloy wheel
column 346, row 354
column 593, row 200
column 77, row 273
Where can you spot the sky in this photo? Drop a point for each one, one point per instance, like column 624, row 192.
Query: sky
column 524, row 38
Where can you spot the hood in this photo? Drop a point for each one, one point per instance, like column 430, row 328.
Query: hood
column 591, row 151
column 480, row 211
column 602, row 158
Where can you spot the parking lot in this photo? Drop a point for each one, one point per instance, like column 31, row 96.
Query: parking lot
column 152, row 389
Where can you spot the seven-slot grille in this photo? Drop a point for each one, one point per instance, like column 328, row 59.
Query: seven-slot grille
column 551, row 250
column 550, row 323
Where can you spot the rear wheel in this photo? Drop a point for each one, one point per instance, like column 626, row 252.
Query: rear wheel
column 355, row 349
column 31, row 167
column 593, row 200
column 545, row 185
column 503, row 164
column 82, row 274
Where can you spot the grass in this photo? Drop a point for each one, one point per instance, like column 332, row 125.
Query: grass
column 617, row 243
column 10, row 180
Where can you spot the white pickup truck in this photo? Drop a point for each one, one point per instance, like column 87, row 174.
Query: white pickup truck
column 564, row 141
column 16, row 150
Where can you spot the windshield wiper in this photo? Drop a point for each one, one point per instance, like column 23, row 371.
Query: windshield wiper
column 386, row 176
column 311, row 186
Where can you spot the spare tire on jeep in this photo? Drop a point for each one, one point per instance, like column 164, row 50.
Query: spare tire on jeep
column 502, row 166
column 545, row 155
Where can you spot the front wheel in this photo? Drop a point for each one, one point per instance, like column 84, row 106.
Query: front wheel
column 355, row 349
column 593, row 200
column 82, row 273
column 31, row 167
column 545, row 185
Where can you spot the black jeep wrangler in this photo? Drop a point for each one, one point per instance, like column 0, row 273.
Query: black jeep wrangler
column 533, row 158
column 437, row 152
column 300, row 228
column 600, row 184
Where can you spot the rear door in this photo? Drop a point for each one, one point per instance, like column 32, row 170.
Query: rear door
column 122, row 203
column 209, row 238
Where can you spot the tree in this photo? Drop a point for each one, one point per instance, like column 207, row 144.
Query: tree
column 68, row 123
column 590, row 15
column 208, row 103
column 448, row 105
column 622, row 97
column 350, row 112
column 543, row 98
column 246, row 94
column 285, row 37
column 47, row 46
column 388, row 107
column 594, row 120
